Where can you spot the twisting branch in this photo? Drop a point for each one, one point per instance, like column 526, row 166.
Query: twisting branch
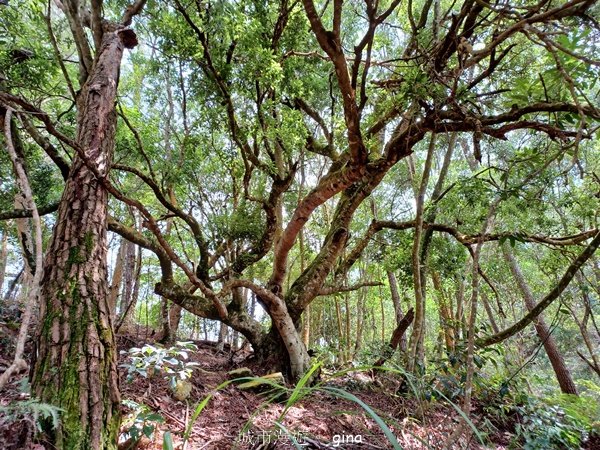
column 547, row 300
column 333, row 183
column 187, row 218
column 208, row 67
column 464, row 239
column 150, row 220
column 331, row 43
column 330, row 290
column 16, row 101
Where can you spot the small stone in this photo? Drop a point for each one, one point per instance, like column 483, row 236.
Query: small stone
column 242, row 372
column 182, row 390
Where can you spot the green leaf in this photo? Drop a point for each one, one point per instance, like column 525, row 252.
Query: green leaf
column 168, row 441
column 148, row 429
column 155, row 417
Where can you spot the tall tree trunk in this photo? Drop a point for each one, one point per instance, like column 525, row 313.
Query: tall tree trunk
column 128, row 314
column 446, row 319
column 348, row 327
column 27, row 249
column 561, row 371
column 360, row 319
column 117, row 278
column 417, row 340
column 471, row 331
column 174, row 319
column 165, row 335
column 306, row 327
column 222, row 337
column 459, row 317
column 76, row 367
column 3, row 258
column 397, row 306
column 340, row 330
column 490, row 313
column 128, row 274
column 130, row 271
column 403, row 324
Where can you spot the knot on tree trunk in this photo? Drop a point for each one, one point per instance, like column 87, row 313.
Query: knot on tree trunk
column 128, row 37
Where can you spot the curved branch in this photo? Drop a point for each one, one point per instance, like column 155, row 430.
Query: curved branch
column 187, row 218
column 329, row 290
column 464, row 239
column 547, row 300
column 333, row 183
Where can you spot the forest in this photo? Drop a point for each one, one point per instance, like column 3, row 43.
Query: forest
column 299, row 224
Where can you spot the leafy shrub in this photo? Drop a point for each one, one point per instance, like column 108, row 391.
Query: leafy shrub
column 154, row 359
column 141, row 422
column 560, row 421
column 545, row 425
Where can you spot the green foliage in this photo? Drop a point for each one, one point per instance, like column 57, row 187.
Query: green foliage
column 150, row 360
column 558, row 421
column 141, row 422
column 543, row 425
column 245, row 223
column 32, row 411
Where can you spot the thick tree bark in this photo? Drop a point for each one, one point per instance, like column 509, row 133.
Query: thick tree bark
column 76, row 366
column 563, row 376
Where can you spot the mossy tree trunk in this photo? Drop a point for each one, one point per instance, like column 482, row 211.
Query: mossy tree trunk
column 76, row 366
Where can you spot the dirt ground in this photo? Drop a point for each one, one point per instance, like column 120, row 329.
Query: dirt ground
column 236, row 419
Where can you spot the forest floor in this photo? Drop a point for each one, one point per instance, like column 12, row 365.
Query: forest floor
column 244, row 420
column 236, row 419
